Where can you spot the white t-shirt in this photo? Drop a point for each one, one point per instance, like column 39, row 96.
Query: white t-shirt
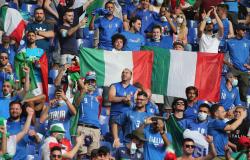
column 45, row 147
column 11, row 145
column 201, row 145
column 209, row 43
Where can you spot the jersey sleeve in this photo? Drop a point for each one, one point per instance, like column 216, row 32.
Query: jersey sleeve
column 219, row 124
column 97, row 23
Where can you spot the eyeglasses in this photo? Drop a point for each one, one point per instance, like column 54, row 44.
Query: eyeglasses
column 189, row 146
column 56, row 156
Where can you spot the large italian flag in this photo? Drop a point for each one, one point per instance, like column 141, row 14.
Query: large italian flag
column 109, row 65
column 166, row 72
column 12, row 23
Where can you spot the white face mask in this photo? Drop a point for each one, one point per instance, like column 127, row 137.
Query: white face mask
column 159, row 2
column 179, row 20
column 235, row 82
column 202, row 116
column 163, row 19
column 158, row 39
column 7, row 96
column 60, row 102
column 133, row 148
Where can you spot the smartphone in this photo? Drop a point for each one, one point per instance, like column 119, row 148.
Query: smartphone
column 59, row 88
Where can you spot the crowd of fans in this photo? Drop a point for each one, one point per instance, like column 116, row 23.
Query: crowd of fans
column 79, row 120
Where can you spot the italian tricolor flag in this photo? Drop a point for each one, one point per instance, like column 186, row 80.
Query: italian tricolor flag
column 12, row 23
column 166, row 72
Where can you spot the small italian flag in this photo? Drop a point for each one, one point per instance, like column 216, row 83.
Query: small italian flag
column 12, row 23
column 166, row 72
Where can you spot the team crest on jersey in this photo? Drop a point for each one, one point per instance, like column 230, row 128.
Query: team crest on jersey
column 245, row 45
column 223, row 95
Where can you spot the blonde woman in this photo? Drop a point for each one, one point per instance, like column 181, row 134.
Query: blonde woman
column 182, row 31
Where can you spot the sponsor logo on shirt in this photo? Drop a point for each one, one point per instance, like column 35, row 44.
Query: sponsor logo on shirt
column 57, row 115
column 157, row 141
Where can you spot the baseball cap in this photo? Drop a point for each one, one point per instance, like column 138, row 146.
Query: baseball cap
column 90, row 75
column 138, row 133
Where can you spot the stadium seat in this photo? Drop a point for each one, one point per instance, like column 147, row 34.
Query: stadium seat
column 29, row 8
column 192, row 23
column 193, row 35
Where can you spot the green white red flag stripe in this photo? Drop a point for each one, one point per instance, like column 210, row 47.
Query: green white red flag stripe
column 166, row 72
column 12, row 23
column 109, row 65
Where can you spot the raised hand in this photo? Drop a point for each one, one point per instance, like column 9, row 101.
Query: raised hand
column 30, row 111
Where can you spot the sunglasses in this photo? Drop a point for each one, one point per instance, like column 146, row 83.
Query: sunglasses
column 189, row 146
column 56, row 156
column 180, row 103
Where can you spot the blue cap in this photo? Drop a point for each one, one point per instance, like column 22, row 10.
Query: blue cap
column 90, row 75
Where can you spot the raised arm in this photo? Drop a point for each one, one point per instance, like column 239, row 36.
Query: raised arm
column 212, row 151
column 160, row 126
column 220, row 24
column 66, row 100
column 83, row 90
column 233, row 126
column 92, row 23
column 71, row 154
column 62, row 70
column 26, row 127
column 72, row 30
column 45, row 112
column 26, row 86
column 39, row 100
column 167, row 14
column 202, row 26
column 87, row 4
